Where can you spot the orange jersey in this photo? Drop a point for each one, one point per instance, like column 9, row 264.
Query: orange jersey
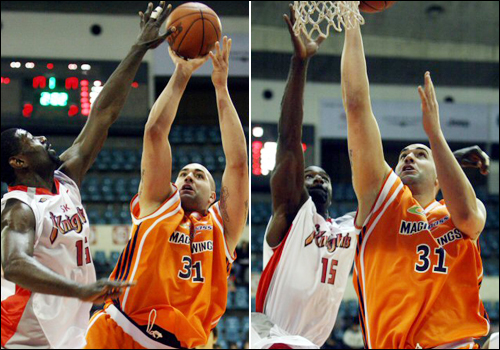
column 181, row 265
column 417, row 277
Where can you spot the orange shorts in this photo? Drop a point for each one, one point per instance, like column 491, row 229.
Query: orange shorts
column 105, row 333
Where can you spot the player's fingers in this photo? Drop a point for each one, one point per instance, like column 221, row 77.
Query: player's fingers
column 427, row 85
column 166, row 12
column 320, row 39
column 118, row 284
column 292, row 14
column 289, row 24
column 217, row 49
column 229, row 46
column 224, row 48
column 168, row 33
column 148, row 12
column 432, row 89
column 423, row 97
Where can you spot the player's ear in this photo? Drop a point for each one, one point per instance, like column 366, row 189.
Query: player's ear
column 18, row 162
column 437, row 186
column 213, row 197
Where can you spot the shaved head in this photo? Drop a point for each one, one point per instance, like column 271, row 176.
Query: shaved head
column 197, row 187
column 199, row 167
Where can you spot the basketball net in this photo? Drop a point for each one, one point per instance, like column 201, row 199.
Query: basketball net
column 315, row 18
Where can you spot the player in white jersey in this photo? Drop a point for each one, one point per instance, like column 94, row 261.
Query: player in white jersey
column 48, row 277
column 307, row 254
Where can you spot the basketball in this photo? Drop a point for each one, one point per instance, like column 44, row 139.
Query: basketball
column 198, row 29
column 375, row 6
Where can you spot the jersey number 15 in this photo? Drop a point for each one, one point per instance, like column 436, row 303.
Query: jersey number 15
column 328, row 273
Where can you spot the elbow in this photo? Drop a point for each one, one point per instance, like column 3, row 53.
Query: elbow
column 11, row 270
column 240, row 163
column 156, row 132
column 469, row 224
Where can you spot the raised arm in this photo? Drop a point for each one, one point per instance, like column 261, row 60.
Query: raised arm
column 21, row 268
column 369, row 167
column 80, row 157
column 467, row 212
column 287, row 179
column 235, row 182
column 156, row 166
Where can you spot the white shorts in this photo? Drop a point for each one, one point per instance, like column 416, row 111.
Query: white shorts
column 265, row 334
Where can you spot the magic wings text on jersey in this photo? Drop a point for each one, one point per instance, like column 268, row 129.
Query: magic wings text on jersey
column 408, row 228
column 331, row 242
column 197, row 247
column 73, row 223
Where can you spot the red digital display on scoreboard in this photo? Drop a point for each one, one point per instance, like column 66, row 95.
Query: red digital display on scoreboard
column 56, row 92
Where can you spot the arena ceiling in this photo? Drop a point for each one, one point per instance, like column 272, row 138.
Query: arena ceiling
column 223, row 8
column 474, row 22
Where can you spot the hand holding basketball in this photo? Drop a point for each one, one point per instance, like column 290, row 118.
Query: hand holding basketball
column 151, row 22
column 430, row 107
column 304, row 48
column 220, row 62
column 187, row 66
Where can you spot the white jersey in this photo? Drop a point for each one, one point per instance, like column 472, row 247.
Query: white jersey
column 305, row 277
column 33, row 320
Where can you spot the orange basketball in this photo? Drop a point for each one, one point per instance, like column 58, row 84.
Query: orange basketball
column 375, row 6
column 198, row 29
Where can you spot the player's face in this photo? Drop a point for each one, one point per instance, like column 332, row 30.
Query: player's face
column 39, row 153
column 319, row 185
column 416, row 166
column 195, row 186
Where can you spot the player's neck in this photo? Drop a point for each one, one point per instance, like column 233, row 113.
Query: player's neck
column 424, row 198
column 36, row 181
column 202, row 213
column 323, row 212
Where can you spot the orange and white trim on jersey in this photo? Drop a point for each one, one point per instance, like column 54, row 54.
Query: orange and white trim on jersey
column 390, row 188
column 12, row 312
column 168, row 204
column 215, row 211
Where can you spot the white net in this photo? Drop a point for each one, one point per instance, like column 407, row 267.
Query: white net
column 315, row 18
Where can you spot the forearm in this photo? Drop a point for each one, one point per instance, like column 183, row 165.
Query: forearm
column 355, row 85
column 114, row 93
column 164, row 110
column 30, row 274
column 292, row 105
column 458, row 193
column 233, row 136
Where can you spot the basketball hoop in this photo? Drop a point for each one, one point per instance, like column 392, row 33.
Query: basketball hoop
column 314, row 18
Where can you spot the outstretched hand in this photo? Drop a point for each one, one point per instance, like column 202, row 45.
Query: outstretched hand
column 151, row 22
column 304, row 48
column 473, row 157
column 102, row 290
column 430, row 107
column 220, row 60
column 189, row 66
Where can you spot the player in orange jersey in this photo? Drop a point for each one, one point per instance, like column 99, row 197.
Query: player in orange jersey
column 418, row 266
column 182, row 242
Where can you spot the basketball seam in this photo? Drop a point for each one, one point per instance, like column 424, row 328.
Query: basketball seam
column 178, row 19
column 187, row 31
column 215, row 28
column 203, row 30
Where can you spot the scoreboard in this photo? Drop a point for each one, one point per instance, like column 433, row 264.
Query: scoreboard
column 264, row 147
column 49, row 94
